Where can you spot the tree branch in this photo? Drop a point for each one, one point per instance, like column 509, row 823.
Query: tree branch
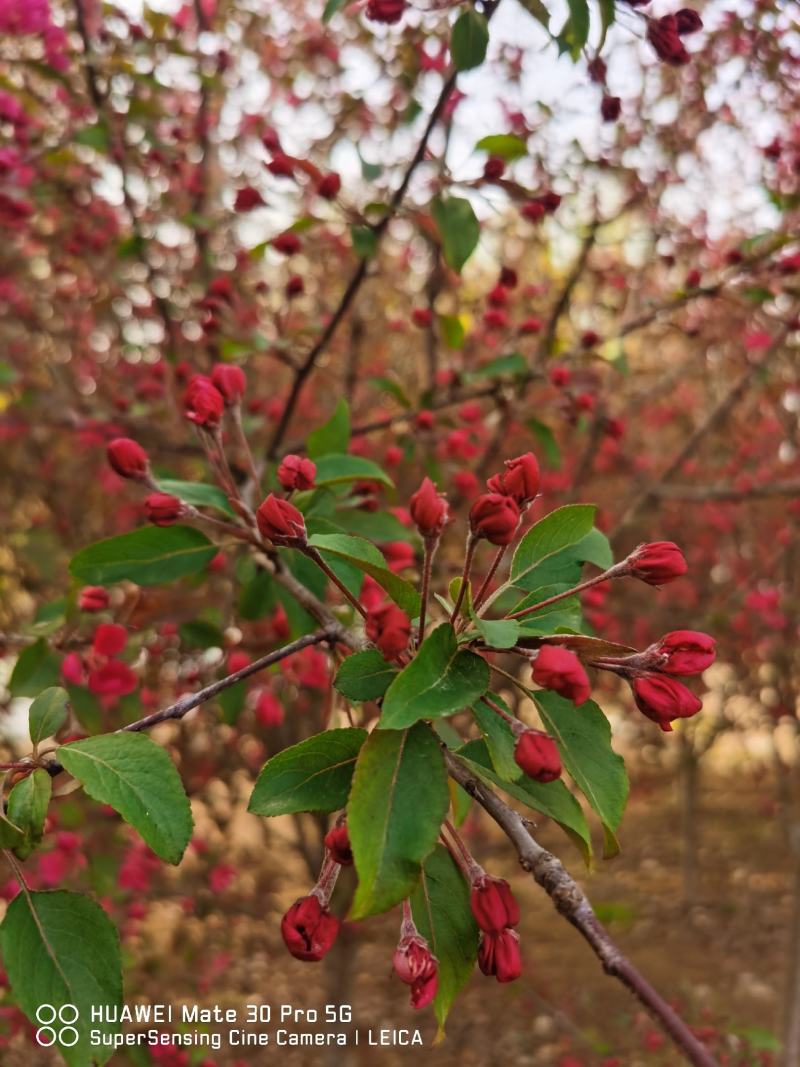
column 571, row 902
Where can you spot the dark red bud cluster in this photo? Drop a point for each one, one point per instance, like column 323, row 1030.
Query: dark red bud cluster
column 656, row 563
column 665, row 33
column 229, row 380
column 537, row 754
column 128, row 458
column 203, row 403
column 297, row 472
column 389, row 629
column 494, row 517
column 663, row 699
column 388, row 11
column 520, row 480
column 163, row 509
column 559, row 669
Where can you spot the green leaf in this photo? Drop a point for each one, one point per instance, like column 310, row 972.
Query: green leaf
column 47, row 714
column 452, row 330
column 314, row 775
column 199, row 494
column 441, row 911
column 11, row 836
column 552, row 799
column 335, row 468
column 564, row 614
column 365, row 241
column 374, row 525
column 93, row 137
column 578, row 23
column 27, row 808
column 136, row 777
column 499, row 739
column 505, row 146
column 557, row 531
column 199, row 633
column 395, row 810
column 334, row 436
column 148, row 556
column 458, row 228
column 539, row 11
column 58, row 949
column 370, row 560
column 36, row 668
column 331, row 7
column 497, row 633
column 583, row 736
column 470, row 40
column 364, row 676
column 513, row 363
column 546, row 439
column 440, row 680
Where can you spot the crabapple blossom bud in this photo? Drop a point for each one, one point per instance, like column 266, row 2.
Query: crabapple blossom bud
column 308, row 929
column 422, row 317
column 247, row 199
column 499, row 956
column 337, row 842
column 113, row 680
column 281, row 522
column 203, row 403
column 686, row 652
column 519, row 480
column 128, row 458
column 687, row 21
column 657, row 563
column 429, row 509
column 663, row 699
column 415, row 964
column 109, row 639
column 663, row 36
column 268, row 709
column 537, row 754
column 610, row 108
column 93, row 598
column 230, row 381
column 388, row 11
column 560, row 377
column 424, row 420
column 559, row 669
column 287, row 243
column 72, row 669
column 494, row 517
column 328, row 186
column 389, row 629
column 597, row 70
column 493, row 904
column 163, row 509
column 494, row 168
column 297, row 472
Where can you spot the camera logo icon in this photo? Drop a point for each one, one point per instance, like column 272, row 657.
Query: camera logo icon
column 56, row 1025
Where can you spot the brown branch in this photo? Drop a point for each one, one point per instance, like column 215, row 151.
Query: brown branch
column 715, row 417
column 571, row 902
column 564, row 297
column 360, row 273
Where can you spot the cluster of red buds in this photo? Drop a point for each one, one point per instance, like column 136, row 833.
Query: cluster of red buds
column 665, row 34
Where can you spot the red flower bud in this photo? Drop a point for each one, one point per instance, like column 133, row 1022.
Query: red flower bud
column 337, row 842
column 247, row 199
column 114, row 679
column 415, row 964
column 597, row 70
column 72, row 669
column 424, row 420
column 494, row 517
column 559, row 669
column 389, row 629
column 229, row 380
column 494, row 168
column 493, row 904
column 329, row 186
column 537, row 754
column 610, row 108
column 296, row 472
column 162, row 509
column 429, row 509
column 499, row 955
column 288, row 243
column 388, row 11
column 109, row 639
column 422, row 317
column 687, row 21
column 657, row 563
column 203, row 403
column 93, row 598
column 663, row 36
column 686, row 651
column 519, row 480
column 663, row 699
column 281, row 522
column 128, row 458
column 308, row 929
column 268, row 709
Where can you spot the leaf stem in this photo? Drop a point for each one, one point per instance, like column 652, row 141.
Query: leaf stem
column 314, row 554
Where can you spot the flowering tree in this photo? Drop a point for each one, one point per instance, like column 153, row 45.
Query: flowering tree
column 183, row 248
